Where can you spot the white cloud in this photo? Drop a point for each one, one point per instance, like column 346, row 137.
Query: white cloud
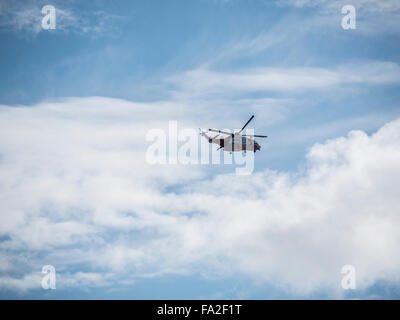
column 84, row 280
column 310, row 21
column 373, row 16
column 76, row 192
column 205, row 82
column 26, row 16
column 33, row 281
column 28, row 282
column 369, row 5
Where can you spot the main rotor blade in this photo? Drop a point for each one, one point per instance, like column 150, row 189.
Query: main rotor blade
column 254, row 135
column 219, row 131
column 251, row 118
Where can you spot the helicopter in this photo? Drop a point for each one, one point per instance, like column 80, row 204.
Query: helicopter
column 235, row 141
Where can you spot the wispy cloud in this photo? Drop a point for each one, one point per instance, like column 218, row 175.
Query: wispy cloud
column 373, row 6
column 374, row 16
column 207, row 82
column 29, row 281
column 26, row 17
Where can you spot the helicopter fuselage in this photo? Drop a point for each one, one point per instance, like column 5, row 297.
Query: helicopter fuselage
column 234, row 141
column 237, row 143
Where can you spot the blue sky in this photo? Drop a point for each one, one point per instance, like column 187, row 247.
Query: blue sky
column 76, row 103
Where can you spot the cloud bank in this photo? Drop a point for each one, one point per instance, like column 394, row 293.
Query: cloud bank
column 77, row 193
